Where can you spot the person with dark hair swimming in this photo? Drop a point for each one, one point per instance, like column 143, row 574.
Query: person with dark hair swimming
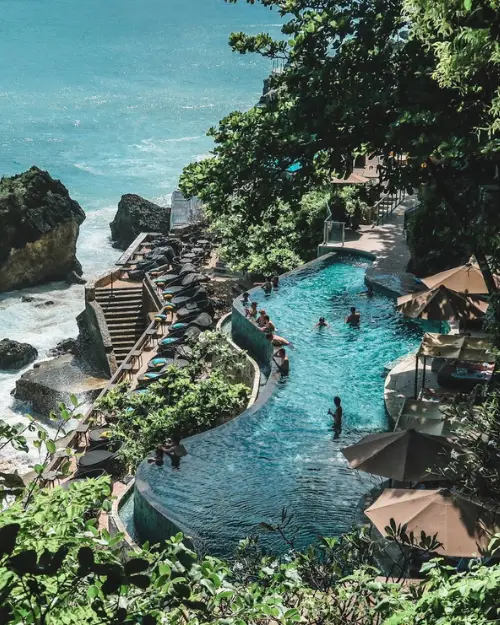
column 353, row 318
column 322, row 323
column 252, row 311
column 276, row 283
column 284, row 364
column 267, row 286
column 174, row 449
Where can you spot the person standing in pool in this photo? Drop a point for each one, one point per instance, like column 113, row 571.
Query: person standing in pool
column 276, row 283
column 267, row 286
column 337, row 417
column 354, row 318
column 284, row 364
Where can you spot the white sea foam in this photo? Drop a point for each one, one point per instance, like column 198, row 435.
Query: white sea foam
column 89, row 169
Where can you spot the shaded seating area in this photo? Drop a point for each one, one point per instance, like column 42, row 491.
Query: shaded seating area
column 464, row 361
column 403, row 455
column 442, row 304
column 424, row 416
column 466, row 279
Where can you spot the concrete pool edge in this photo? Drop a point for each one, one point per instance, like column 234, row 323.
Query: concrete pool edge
column 256, row 369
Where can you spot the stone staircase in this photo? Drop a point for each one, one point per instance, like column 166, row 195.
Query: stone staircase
column 123, row 311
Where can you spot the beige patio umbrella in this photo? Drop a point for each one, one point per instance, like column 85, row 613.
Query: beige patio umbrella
column 465, row 278
column 405, row 455
column 441, row 304
column 462, row 526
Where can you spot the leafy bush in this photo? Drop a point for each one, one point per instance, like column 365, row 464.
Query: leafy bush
column 69, row 572
column 184, row 402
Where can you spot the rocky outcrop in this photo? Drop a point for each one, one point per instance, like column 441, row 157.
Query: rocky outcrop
column 136, row 215
column 14, row 355
column 66, row 346
column 39, row 227
column 51, row 382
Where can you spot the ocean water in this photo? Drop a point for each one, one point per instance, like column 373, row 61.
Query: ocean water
column 111, row 97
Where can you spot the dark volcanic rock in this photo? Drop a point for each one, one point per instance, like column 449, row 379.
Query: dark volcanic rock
column 14, row 355
column 51, row 383
column 66, row 346
column 136, row 215
column 45, row 303
column 39, row 226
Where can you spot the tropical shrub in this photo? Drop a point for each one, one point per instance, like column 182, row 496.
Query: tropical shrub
column 56, row 568
column 184, row 402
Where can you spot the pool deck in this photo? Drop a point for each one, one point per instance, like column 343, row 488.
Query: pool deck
column 387, row 244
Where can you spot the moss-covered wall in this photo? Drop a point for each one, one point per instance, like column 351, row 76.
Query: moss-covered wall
column 247, row 335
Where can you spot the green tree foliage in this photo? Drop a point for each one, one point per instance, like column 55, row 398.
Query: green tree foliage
column 184, row 402
column 364, row 76
column 431, row 236
column 474, row 464
column 57, row 568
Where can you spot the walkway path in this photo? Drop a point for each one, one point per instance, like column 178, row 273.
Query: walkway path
column 387, row 242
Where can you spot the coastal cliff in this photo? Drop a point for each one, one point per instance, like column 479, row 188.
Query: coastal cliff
column 39, row 227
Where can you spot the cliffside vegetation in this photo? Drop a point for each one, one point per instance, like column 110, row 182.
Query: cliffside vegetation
column 184, row 402
column 377, row 77
column 58, row 567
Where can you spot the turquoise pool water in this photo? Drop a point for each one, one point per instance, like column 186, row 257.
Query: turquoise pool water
column 284, row 454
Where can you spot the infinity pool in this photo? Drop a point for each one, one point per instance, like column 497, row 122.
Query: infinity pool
column 284, row 455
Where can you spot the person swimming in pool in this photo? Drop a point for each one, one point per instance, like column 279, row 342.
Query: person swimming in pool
column 353, row 318
column 322, row 323
column 268, row 325
column 283, row 364
column 175, row 450
column 267, row 286
column 276, row 282
column 277, row 341
column 252, row 311
column 261, row 319
column 172, row 448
